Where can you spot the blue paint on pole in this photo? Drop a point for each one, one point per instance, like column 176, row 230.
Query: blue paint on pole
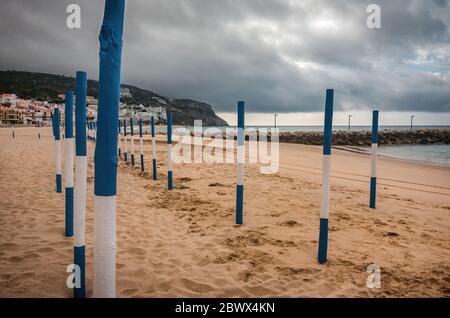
column 80, row 202
column 57, row 124
column 323, row 241
column 119, row 137
column 69, row 159
column 169, row 142
column 69, row 115
column 80, row 115
column 80, row 260
column 324, row 210
column 69, row 212
column 240, row 157
column 152, row 123
column 328, row 127
column 109, row 98
column 375, row 127
column 132, row 140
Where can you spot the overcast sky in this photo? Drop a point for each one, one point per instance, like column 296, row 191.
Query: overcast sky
column 277, row 55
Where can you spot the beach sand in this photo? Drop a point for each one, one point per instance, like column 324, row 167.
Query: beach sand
column 185, row 243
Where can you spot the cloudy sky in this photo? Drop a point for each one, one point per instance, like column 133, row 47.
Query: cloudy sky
column 277, row 55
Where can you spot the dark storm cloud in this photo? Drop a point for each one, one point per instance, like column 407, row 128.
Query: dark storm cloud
column 277, row 55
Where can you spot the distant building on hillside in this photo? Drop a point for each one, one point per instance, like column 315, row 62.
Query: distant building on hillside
column 9, row 99
column 10, row 116
column 125, row 92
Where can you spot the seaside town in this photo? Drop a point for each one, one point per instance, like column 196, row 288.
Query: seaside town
column 17, row 111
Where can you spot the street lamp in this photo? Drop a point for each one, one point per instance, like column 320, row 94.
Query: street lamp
column 412, row 122
column 349, row 118
column 275, row 118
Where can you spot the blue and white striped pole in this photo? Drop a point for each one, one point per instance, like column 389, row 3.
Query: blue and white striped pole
column 373, row 173
column 68, row 163
column 152, row 122
column 169, row 151
column 120, row 125
column 141, row 144
column 132, row 139
column 57, row 133
column 240, row 163
column 80, row 183
column 105, row 168
column 326, row 173
column 125, row 143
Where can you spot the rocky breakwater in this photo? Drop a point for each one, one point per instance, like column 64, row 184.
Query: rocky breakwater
column 364, row 138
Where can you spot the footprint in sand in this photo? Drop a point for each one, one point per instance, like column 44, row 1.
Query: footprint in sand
column 290, row 223
column 196, row 286
column 6, row 246
column 15, row 259
column 137, row 251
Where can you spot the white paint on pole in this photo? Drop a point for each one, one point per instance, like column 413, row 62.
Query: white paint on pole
column 68, row 164
column 58, row 156
column 325, row 204
column 169, row 157
column 105, row 246
column 80, row 200
column 373, row 170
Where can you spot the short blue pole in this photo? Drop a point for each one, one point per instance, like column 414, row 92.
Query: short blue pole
column 68, row 169
column 120, row 124
column 125, row 149
column 373, row 174
column 240, row 163
column 169, row 151
column 132, row 140
column 141, row 144
column 326, row 173
column 152, row 122
column 58, row 150
column 80, row 185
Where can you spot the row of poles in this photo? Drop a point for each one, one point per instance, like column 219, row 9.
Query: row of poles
column 141, row 142
column 106, row 154
column 81, row 167
column 75, row 186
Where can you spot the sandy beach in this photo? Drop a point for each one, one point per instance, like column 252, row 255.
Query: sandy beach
column 185, row 243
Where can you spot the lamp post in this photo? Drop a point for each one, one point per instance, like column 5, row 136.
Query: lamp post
column 412, row 122
column 275, row 118
column 349, row 120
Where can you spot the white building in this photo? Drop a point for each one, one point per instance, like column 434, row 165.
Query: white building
column 10, row 99
column 125, row 92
